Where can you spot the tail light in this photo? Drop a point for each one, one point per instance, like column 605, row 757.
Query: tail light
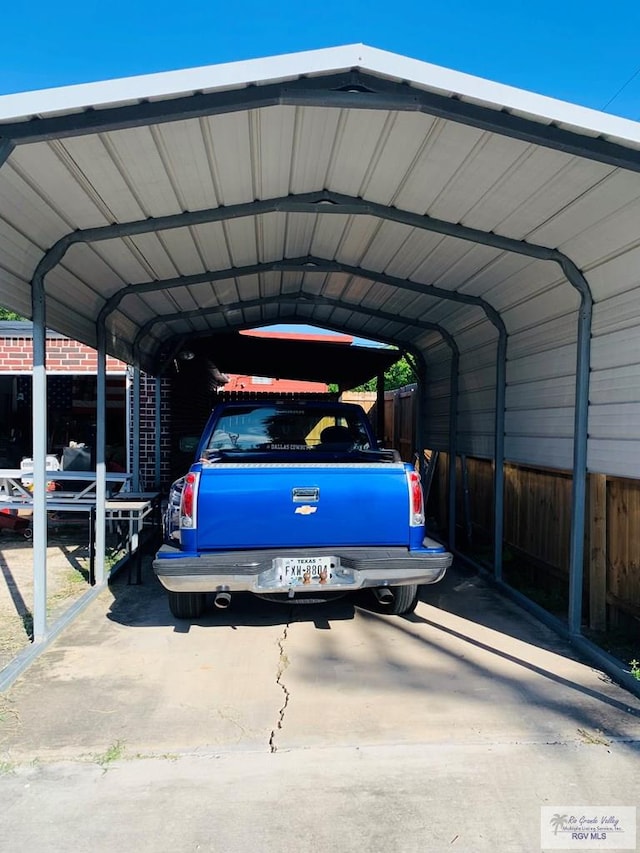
column 416, row 500
column 188, row 501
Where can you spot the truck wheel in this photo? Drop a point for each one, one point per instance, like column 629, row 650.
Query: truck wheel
column 186, row 605
column 405, row 599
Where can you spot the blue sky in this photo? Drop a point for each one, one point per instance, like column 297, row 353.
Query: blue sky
column 577, row 51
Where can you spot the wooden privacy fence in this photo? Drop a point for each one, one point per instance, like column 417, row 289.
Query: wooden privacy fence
column 537, row 527
column 537, row 518
column 399, row 416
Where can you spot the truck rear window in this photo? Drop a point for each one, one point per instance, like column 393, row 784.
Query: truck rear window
column 281, row 428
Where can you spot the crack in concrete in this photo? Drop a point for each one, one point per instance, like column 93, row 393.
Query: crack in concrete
column 283, row 663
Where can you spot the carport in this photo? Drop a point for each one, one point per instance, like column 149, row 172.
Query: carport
column 489, row 232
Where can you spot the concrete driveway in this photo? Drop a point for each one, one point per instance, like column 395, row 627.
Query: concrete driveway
column 309, row 728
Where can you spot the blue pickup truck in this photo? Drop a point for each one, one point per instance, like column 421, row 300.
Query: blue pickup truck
column 294, row 500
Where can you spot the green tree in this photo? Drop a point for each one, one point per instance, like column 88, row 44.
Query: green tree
column 5, row 314
column 397, row 376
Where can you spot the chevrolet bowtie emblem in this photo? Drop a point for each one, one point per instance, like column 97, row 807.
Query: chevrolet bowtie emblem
column 305, row 510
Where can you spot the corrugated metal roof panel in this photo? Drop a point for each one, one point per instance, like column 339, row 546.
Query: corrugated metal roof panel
column 474, row 423
column 554, row 392
column 615, row 421
column 616, row 275
column 212, row 241
column 616, row 458
column 607, row 196
column 477, row 445
column 540, row 423
column 18, row 255
column 485, row 166
column 551, row 453
column 52, row 172
column 358, row 131
column 229, row 157
column 615, row 385
column 554, row 333
column 123, row 257
column 315, row 134
column 479, row 401
column 479, row 342
column 560, row 302
column 560, row 361
column 618, row 312
column 170, row 253
column 616, row 349
column 473, row 378
column 27, row 211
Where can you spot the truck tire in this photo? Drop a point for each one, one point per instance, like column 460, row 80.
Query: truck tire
column 405, row 599
column 186, row 605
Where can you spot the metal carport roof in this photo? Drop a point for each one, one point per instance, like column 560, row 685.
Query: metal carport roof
column 492, row 232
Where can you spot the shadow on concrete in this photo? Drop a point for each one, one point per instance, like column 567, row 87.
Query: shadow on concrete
column 479, row 669
column 464, row 592
column 144, row 605
column 22, row 609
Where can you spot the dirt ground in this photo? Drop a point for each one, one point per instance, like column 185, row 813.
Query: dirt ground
column 67, row 580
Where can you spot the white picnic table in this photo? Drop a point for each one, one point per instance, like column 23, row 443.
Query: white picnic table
column 80, row 496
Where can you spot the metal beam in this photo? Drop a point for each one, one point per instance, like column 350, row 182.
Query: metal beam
column 6, row 147
column 306, row 264
column 323, row 202
column 352, row 90
column 39, row 455
column 99, row 522
column 297, row 299
column 579, row 482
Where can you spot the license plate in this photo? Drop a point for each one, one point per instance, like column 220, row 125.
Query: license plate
column 295, row 571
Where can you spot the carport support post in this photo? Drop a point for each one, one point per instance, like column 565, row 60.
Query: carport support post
column 39, row 454
column 380, row 407
column 99, row 542
column 420, row 424
column 453, row 443
column 578, row 494
column 498, row 473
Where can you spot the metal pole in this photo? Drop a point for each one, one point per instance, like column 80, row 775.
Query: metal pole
column 578, row 495
column 380, row 407
column 453, row 443
column 421, row 423
column 100, row 520
column 498, row 472
column 39, row 455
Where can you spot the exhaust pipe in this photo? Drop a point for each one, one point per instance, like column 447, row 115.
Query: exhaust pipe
column 222, row 600
column 384, row 594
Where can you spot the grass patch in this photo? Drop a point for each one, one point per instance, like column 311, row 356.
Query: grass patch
column 113, row 753
column 592, row 738
column 70, row 586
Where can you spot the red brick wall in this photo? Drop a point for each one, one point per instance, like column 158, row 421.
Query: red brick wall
column 148, row 432
column 63, row 355
column 67, row 356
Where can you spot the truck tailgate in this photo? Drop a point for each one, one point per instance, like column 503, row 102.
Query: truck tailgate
column 284, row 505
